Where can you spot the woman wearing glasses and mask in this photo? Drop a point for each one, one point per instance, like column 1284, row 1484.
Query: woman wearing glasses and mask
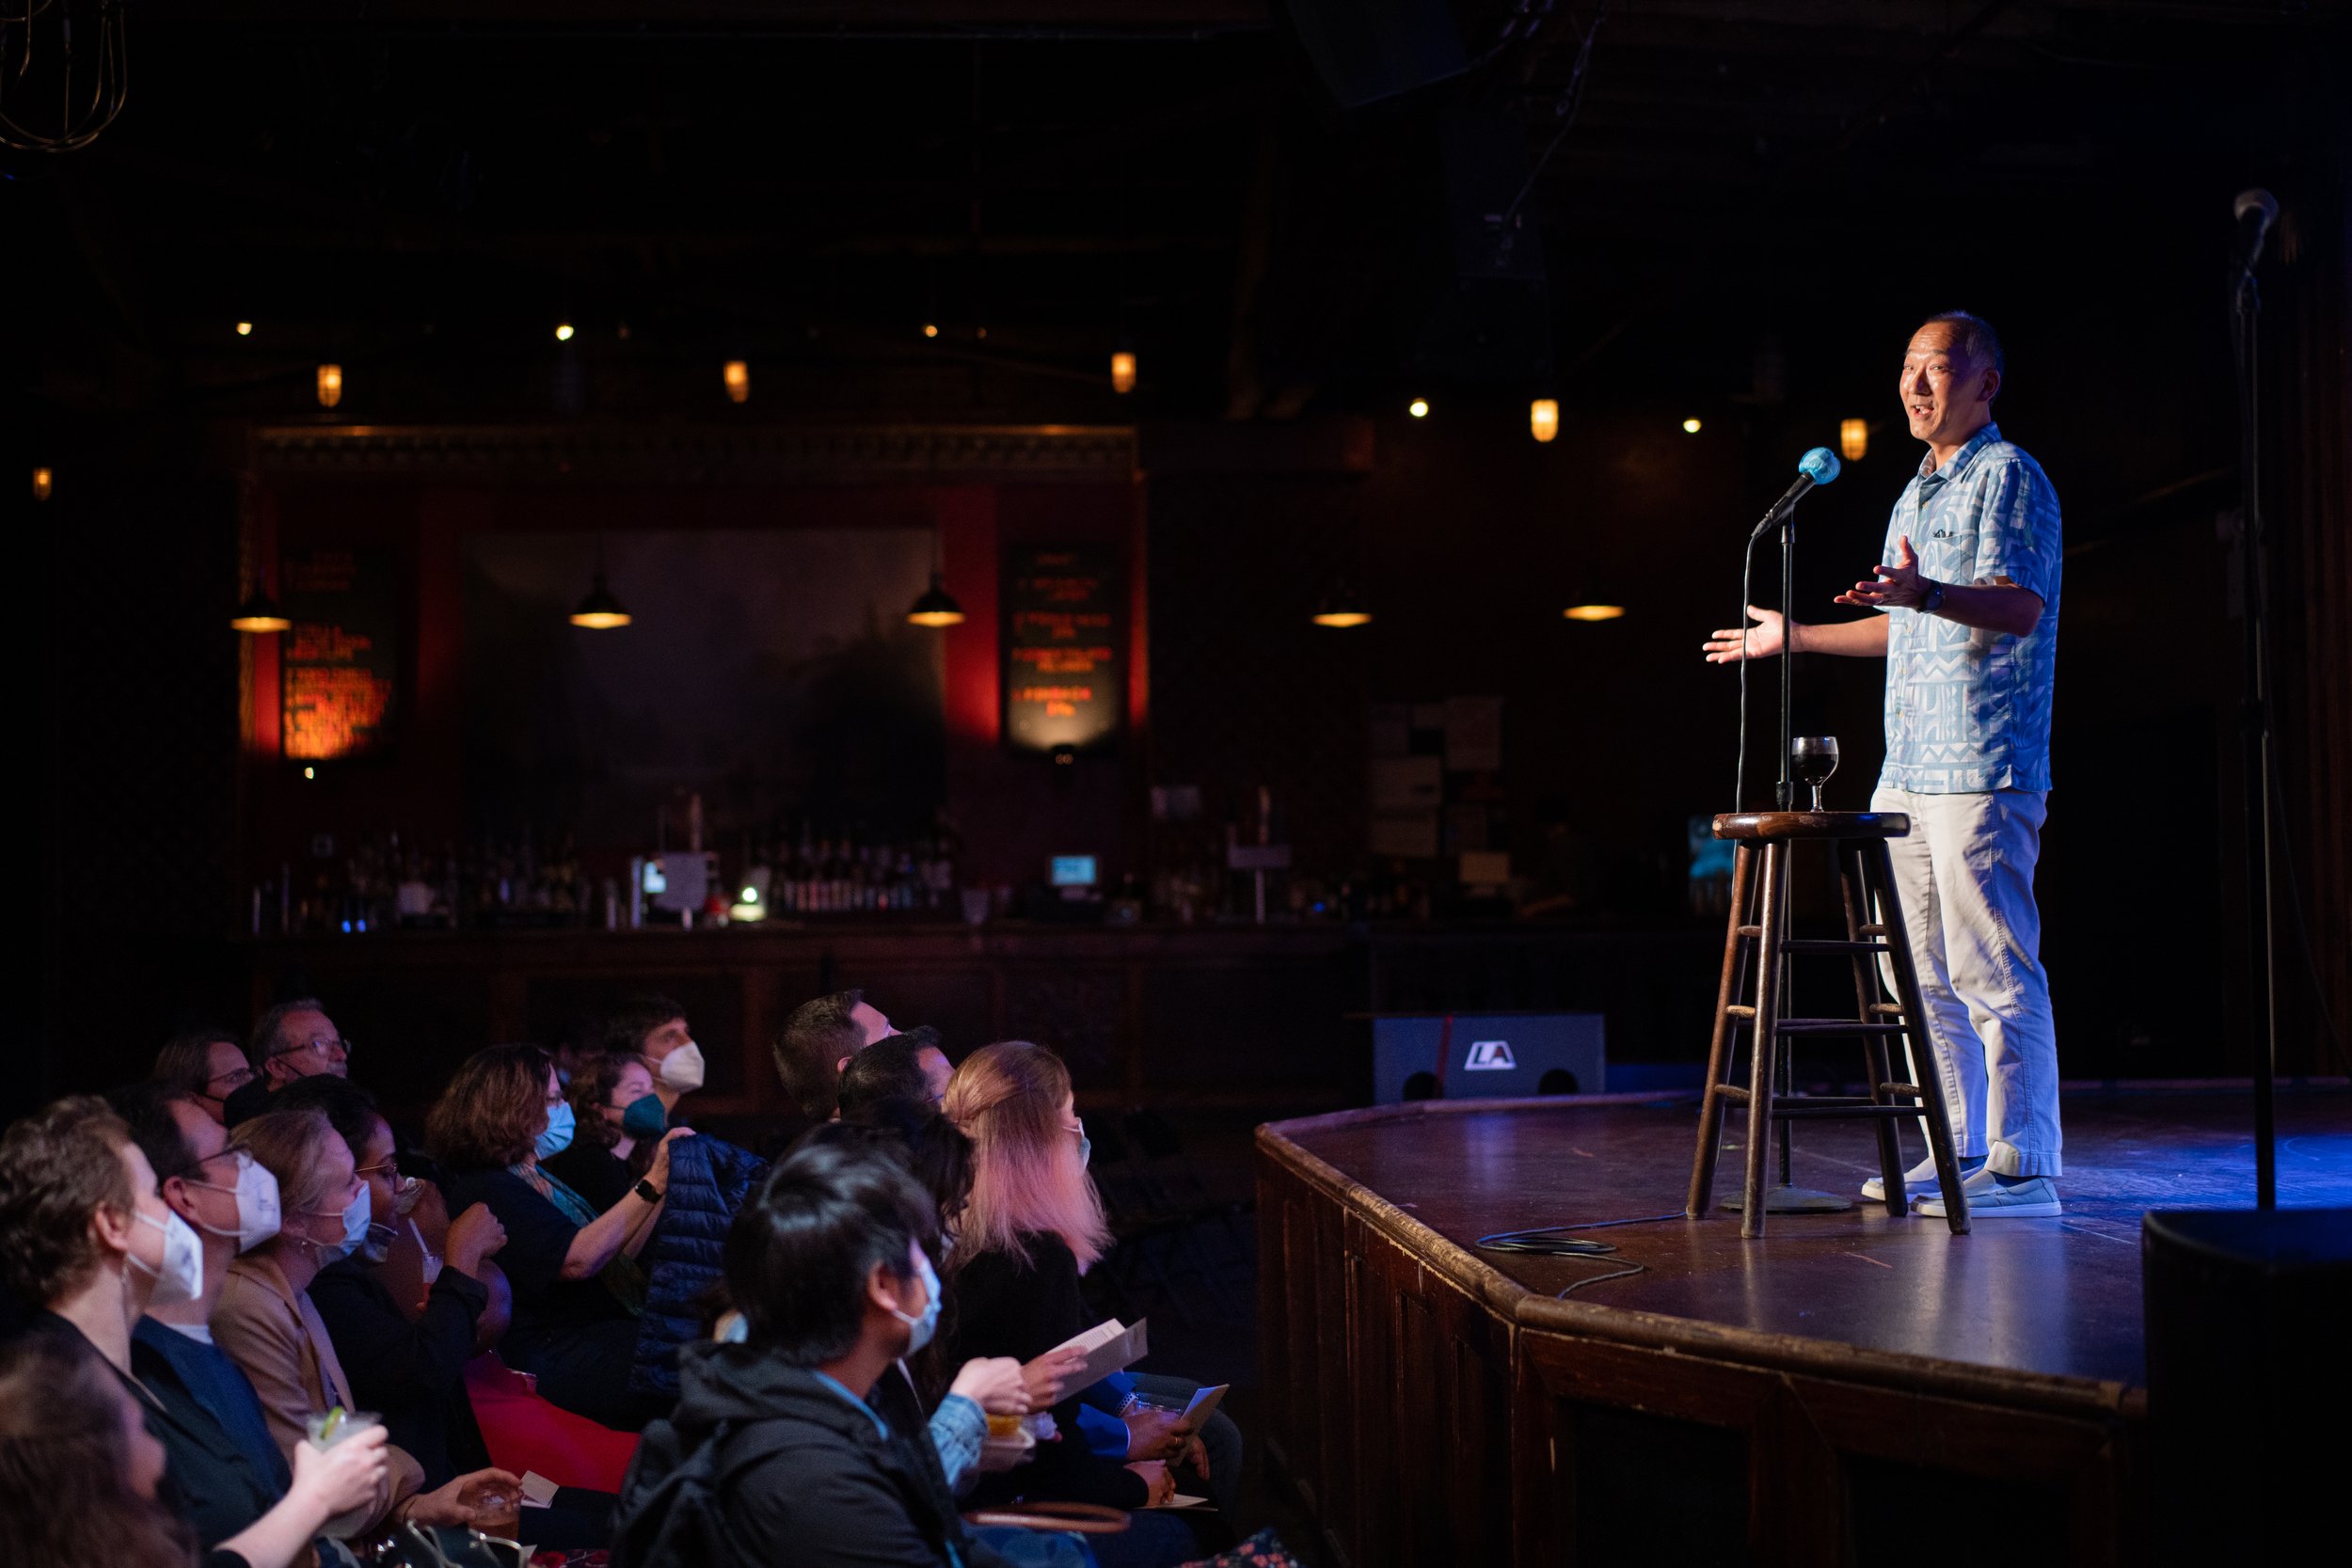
column 266, row 1323
column 577, row 1290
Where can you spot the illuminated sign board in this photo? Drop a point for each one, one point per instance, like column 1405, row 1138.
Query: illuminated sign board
column 1065, row 644
column 339, row 667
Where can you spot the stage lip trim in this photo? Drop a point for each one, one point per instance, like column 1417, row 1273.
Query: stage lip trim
column 1529, row 1309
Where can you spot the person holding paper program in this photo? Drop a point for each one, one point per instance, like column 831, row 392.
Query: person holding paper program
column 1034, row 1224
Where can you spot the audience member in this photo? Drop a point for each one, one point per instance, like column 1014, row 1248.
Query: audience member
column 268, row 1325
column 901, row 1067
column 1033, row 1225
column 575, row 1312
column 228, row 1466
column 776, row 1451
column 409, row 1369
column 616, row 1122
column 92, row 1244
column 816, row 1043
column 295, row 1040
column 79, row 1472
column 653, row 1027
column 206, row 1065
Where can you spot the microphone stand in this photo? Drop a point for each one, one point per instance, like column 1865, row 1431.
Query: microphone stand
column 2259, row 760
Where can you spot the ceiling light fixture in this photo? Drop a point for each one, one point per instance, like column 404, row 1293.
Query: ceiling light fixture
column 42, row 481
column 330, row 386
column 931, row 330
column 599, row 610
column 1419, row 409
column 1543, row 418
column 1595, row 612
column 1122, row 371
column 562, row 332
column 1854, row 438
column 1689, row 427
column 937, row 607
column 259, row 615
column 738, row 375
column 1342, row 608
column 245, row 329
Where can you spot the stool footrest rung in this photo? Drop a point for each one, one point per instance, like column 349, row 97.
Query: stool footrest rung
column 1833, row 1111
column 1751, row 931
column 1871, row 930
column 1888, row 1009
column 1732, row 1092
column 1835, row 1026
column 1824, row 944
column 1913, row 1090
column 1739, row 1009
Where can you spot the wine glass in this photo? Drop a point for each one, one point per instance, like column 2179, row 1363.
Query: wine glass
column 1813, row 758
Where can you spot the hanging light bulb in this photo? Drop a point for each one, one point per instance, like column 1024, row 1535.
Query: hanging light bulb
column 1543, row 418
column 738, row 375
column 1593, row 611
column 41, row 484
column 1122, row 371
column 931, row 330
column 330, row 386
column 245, row 329
column 1419, row 409
column 1854, row 438
column 1689, row 427
column 259, row 615
column 599, row 610
column 937, row 607
column 562, row 332
column 1341, row 609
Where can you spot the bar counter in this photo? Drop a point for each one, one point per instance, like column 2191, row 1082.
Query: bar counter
column 1270, row 1017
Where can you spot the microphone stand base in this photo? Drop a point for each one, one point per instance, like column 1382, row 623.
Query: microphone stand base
column 1794, row 1200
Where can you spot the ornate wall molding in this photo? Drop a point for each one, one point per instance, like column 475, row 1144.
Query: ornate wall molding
column 698, row 454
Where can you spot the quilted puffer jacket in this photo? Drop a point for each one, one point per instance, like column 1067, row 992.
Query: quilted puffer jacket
column 709, row 1179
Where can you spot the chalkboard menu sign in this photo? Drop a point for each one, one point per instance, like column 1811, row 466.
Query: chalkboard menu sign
column 339, row 667
column 1065, row 647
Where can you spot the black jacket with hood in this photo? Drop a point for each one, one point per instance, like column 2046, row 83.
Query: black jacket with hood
column 762, row 1463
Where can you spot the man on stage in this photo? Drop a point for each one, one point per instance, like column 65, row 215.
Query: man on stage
column 1967, row 591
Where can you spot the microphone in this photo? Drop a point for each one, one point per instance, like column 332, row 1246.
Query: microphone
column 1816, row 468
column 2255, row 211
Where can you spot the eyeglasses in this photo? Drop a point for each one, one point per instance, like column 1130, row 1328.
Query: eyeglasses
column 236, row 1078
column 393, row 1166
column 331, row 1046
column 187, row 1172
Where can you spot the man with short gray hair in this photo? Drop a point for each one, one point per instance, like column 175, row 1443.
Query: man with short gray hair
column 295, row 1040
column 1967, row 588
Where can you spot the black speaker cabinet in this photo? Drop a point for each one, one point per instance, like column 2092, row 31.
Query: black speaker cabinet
column 2250, row 1379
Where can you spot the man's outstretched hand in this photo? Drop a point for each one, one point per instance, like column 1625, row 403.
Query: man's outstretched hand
column 1896, row 586
column 1731, row 644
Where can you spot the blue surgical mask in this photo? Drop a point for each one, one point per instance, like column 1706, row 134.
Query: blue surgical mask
column 644, row 1117
column 356, row 1217
column 921, row 1329
column 557, row 1135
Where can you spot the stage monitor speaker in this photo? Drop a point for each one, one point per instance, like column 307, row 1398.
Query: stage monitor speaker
column 1486, row 1055
column 2250, row 1379
column 1367, row 49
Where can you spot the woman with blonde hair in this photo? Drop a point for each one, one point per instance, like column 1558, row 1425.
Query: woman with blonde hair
column 1033, row 1225
column 265, row 1322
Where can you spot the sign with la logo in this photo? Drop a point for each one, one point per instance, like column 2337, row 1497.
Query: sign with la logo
column 1490, row 1056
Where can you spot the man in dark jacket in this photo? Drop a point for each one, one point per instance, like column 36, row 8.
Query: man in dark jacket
column 774, row 1453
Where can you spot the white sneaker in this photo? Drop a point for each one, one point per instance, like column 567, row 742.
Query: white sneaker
column 1918, row 1179
column 2034, row 1199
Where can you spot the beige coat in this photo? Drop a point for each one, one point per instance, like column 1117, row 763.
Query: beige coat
column 274, row 1334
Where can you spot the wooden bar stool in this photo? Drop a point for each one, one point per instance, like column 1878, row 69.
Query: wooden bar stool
column 1866, row 877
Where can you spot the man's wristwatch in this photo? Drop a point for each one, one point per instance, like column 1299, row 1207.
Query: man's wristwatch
column 647, row 1191
column 1934, row 601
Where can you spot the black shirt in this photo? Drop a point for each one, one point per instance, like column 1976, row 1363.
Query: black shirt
column 412, row 1372
column 595, row 1174
column 1002, row 1305
column 550, row 1310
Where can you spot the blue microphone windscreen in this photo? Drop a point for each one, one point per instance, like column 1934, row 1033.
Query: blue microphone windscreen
column 1820, row 464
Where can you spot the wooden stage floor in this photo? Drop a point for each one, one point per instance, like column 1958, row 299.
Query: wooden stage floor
column 1785, row 1400
column 2055, row 1296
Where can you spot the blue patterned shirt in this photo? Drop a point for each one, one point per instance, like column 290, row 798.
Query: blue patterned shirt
column 1968, row 711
